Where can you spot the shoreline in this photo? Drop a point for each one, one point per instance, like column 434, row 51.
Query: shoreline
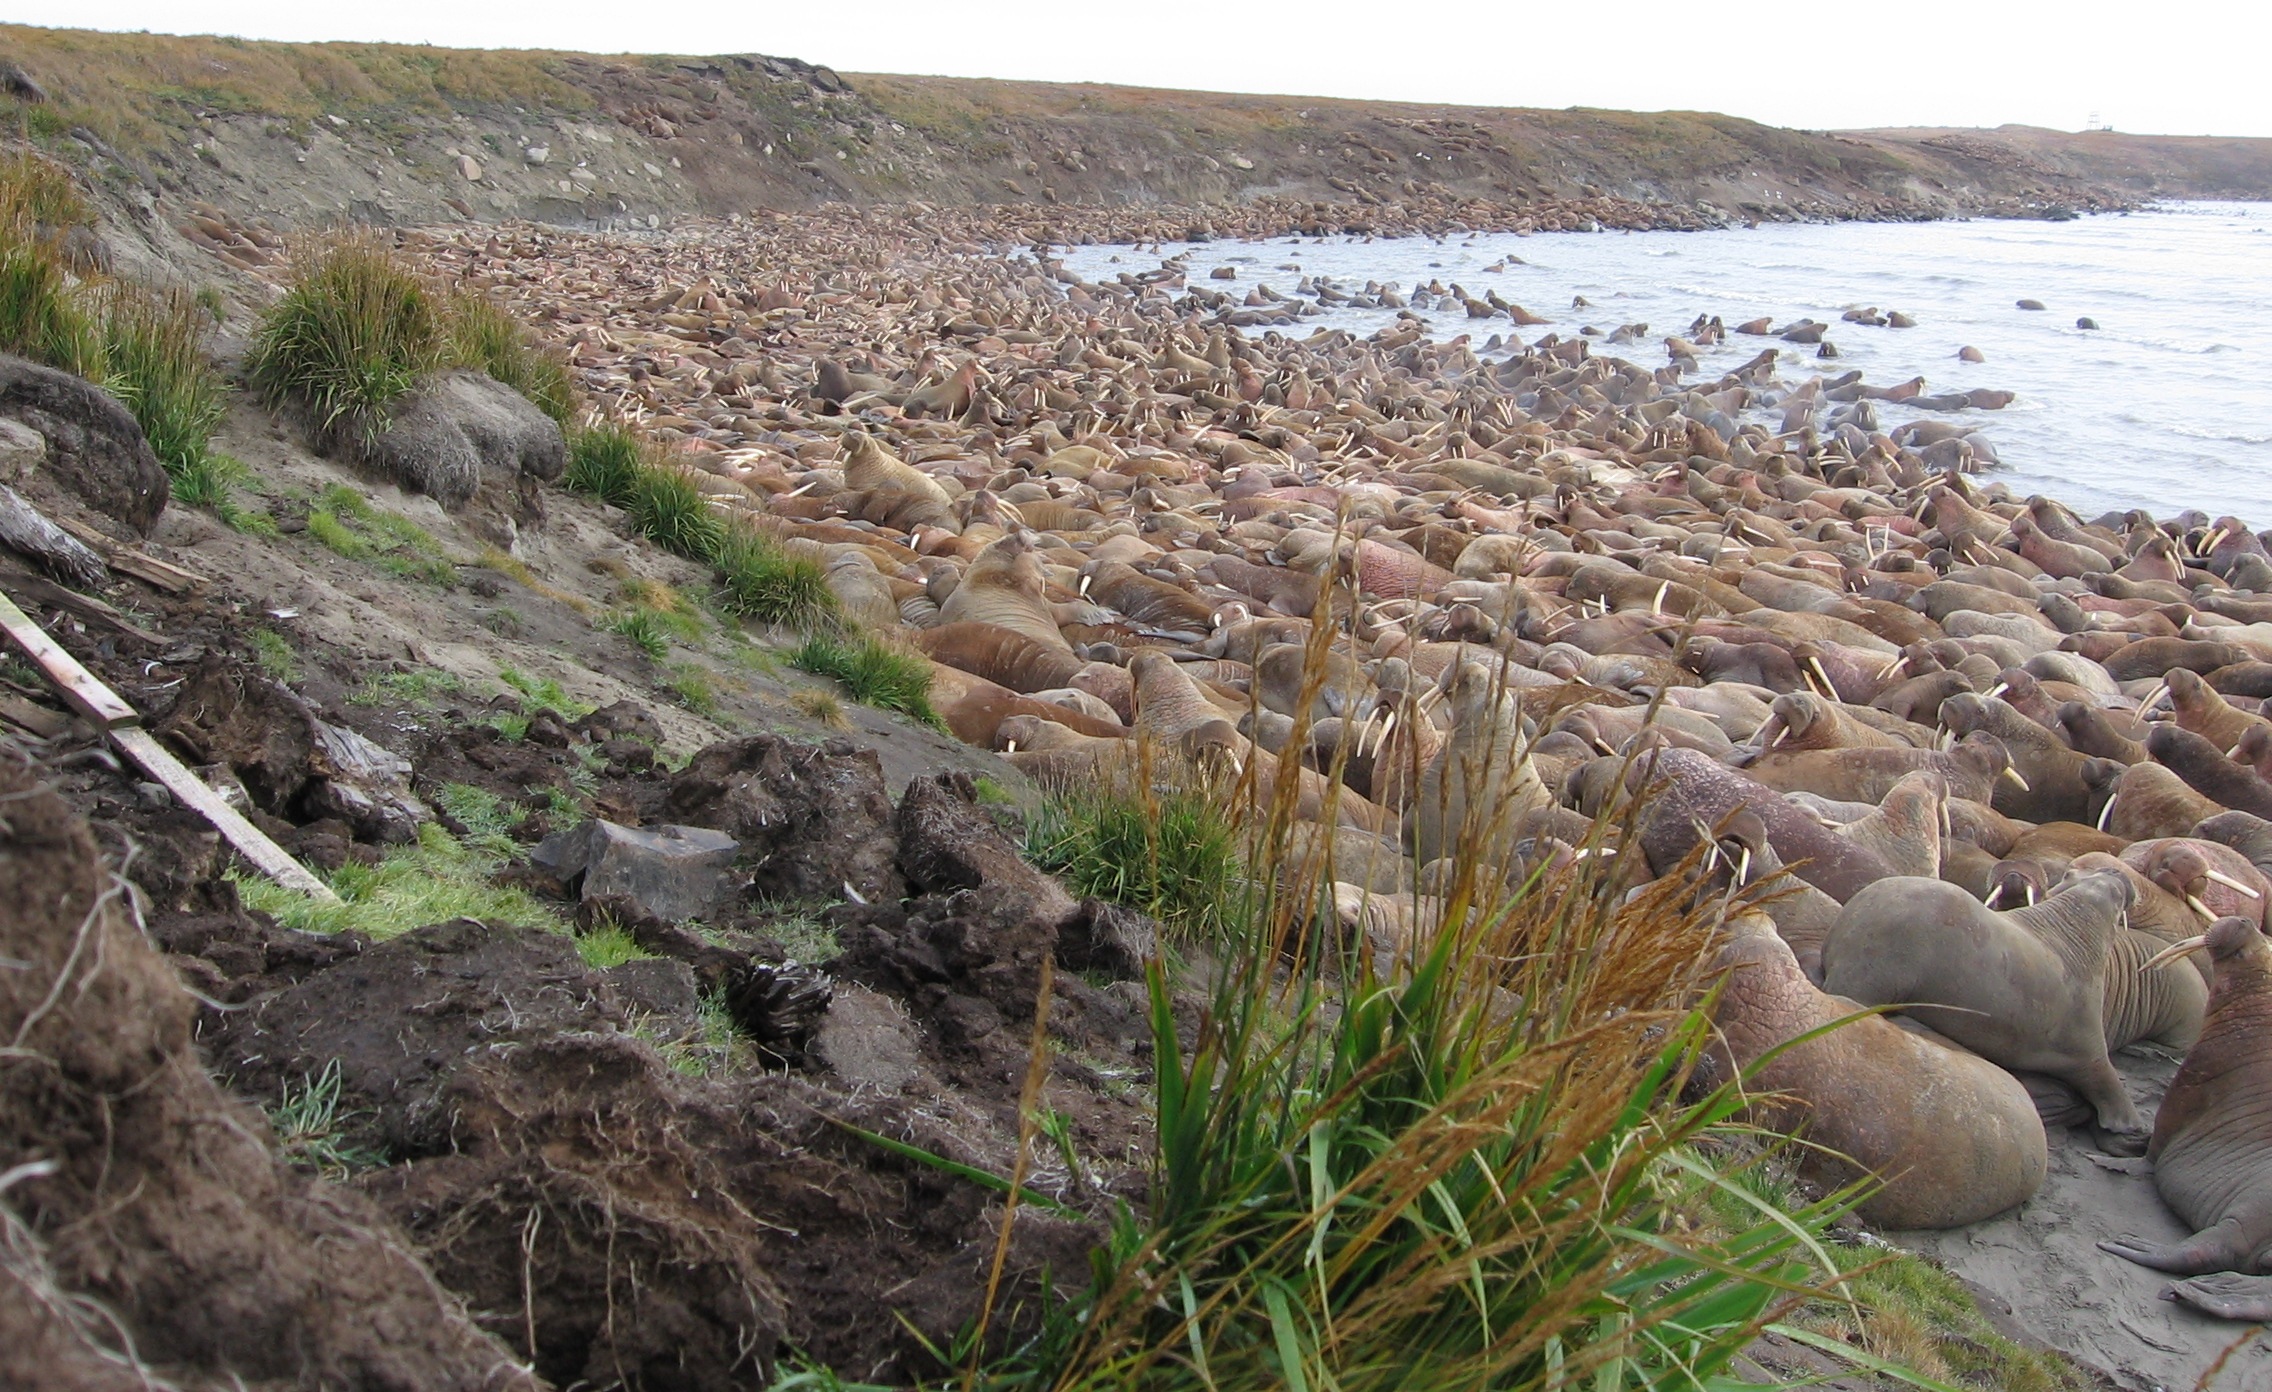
column 1180, row 482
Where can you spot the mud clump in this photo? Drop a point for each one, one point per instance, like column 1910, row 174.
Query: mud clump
column 595, row 1232
column 401, row 1018
column 812, row 819
column 151, row 1193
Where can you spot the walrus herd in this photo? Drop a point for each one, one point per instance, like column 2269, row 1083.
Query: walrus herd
column 2010, row 768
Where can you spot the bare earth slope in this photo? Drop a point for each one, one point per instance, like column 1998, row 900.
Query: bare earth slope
column 303, row 134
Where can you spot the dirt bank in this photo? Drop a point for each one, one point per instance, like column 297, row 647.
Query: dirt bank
column 308, row 134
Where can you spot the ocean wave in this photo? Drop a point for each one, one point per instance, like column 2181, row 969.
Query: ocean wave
column 2216, row 437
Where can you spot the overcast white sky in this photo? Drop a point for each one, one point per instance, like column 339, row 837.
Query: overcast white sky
column 2188, row 67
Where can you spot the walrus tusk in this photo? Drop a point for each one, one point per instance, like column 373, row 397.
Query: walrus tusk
column 1829, row 688
column 1009, row 746
column 1997, row 690
column 2230, row 883
column 2193, row 902
column 1365, row 730
column 1084, row 590
column 1657, row 605
column 1603, row 745
column 1779, row 734
column 2106, row 813
column 1892, row 667
column 1743, row 867
column 2233, row 752
column 1995, row 897
column 2014, row 775
column 2153, row 698
column 2175, row 950
column 2031, row 895
column 2215, row 539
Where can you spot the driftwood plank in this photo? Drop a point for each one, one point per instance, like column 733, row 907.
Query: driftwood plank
column 251, row 842
column 73, row 682
column 128, row 560
column 87, row 695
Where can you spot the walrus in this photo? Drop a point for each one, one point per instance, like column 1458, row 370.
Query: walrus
column 2051, row 786
column 1971, row 767
column 1801, row 720
column 1955, row 1138
column 1004, row 656
column 2088, row 730
column 2212, row 1139
column 2147, row 800
column 2205, row 768
column 1481, row 782
column 2025, row 988
column 2201, row 709
column 1005, row 586
column 1904, row 830
column 1697, row 796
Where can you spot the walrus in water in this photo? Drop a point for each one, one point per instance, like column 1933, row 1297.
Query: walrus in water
column 1955, row 1137
column 2212, row 1140
column 2026, row 989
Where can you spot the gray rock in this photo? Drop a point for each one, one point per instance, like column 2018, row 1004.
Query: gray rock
column 365, row 785
column 461, row 430
column 670, row 873
column 866, row 1041
column 22, row 449
column 94, row 447
column 537, row 154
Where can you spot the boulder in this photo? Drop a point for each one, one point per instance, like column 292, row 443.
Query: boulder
column 669, row 873
column 460, row 431
column 95, row 450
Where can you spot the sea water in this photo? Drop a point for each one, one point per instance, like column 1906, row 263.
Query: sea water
column 2166, row 405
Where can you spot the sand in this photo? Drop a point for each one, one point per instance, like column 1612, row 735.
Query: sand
column 2042, row 1260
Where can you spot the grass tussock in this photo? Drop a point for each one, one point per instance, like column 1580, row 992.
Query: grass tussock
column 433, row 881
column 144, row 347
column 482, row 335
column 872, row 672
column 1168, row 848
column 312, row 1132
column 757, row 579
column 350, row 336
column 358, row 327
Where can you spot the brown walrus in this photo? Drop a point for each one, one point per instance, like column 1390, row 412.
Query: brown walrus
column 1955, row 1137
column 2212, row 1140
column 2026, row 989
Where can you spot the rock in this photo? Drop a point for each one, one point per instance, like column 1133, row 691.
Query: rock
column 812, row 819
column 670, row 873
column 537, row 154
column 94, row 448
column 366, row 786
column 620, row 719
column 461, row 431
column 867, row 1042
column 469, row 169
column 22, row 450
column 1238, row 161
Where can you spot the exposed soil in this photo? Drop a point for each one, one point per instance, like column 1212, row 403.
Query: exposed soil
column 300, row 135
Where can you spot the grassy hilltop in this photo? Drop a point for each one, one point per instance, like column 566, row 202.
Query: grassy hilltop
column 309, row 132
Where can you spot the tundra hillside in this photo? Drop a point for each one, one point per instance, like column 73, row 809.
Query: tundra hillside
column 302, row 134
